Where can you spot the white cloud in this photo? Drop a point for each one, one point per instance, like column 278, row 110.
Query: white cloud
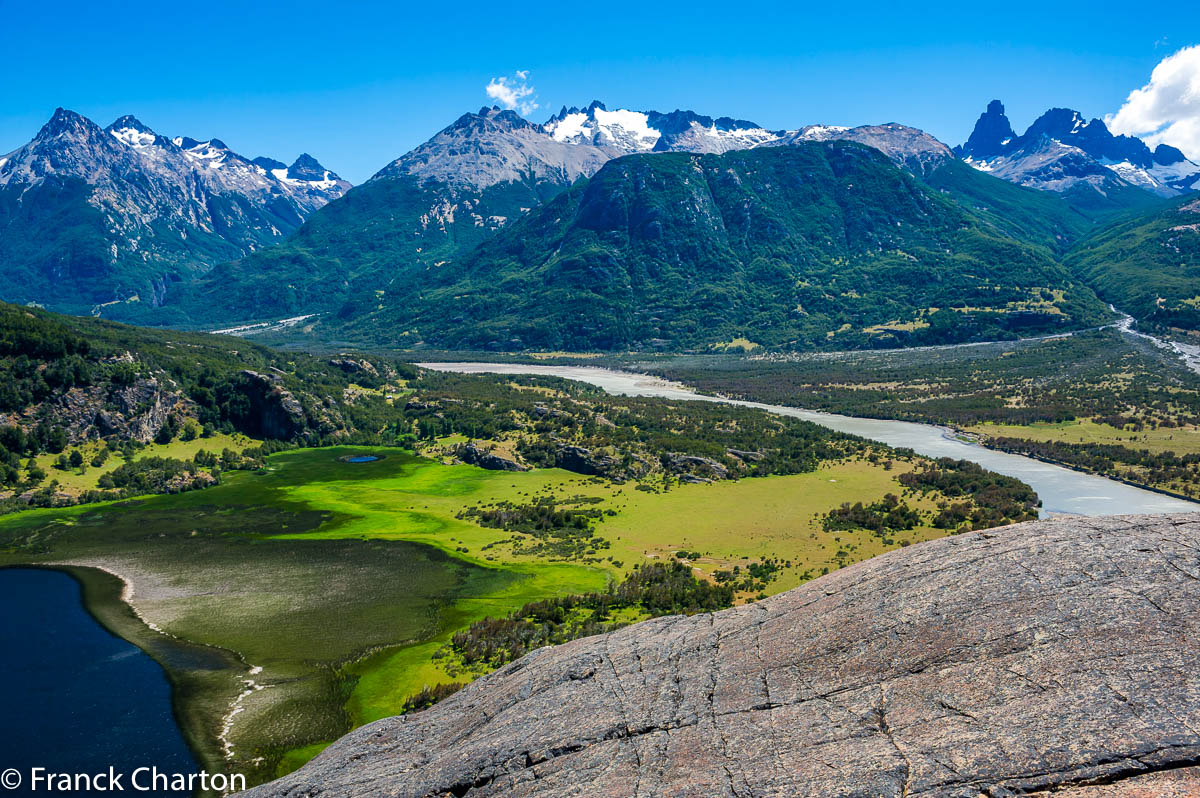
column 514, row 92
column 1167, row 109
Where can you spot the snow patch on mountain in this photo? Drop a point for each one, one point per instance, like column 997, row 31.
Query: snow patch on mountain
column 821, row 132
column 626, row 129
column 327, row 181
column 1176, row 172
column 571, row 128
column 207, row 154
column 133, row 137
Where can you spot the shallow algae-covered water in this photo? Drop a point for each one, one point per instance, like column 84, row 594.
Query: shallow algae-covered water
column 258, row 595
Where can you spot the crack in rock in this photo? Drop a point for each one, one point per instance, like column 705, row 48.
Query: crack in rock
column 1052, row 655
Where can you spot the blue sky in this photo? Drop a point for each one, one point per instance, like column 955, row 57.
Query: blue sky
column 359, row 84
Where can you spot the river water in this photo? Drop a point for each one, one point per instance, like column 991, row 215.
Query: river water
column 1062, row 490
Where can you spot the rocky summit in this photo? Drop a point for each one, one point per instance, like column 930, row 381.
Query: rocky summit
column 1056, row 655
column 1062, row 151
column 95, row 217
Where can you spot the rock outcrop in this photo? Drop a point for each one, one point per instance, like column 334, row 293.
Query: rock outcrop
column 1057, row 654
column 471, row 454
column 136, row 411
column 689, row 464
column 274, row 411
column 582, row 461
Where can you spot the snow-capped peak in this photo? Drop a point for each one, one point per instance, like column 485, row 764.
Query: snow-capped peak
column 629, row 131
column 130, row 131
column 626, row 128
column 132, row 137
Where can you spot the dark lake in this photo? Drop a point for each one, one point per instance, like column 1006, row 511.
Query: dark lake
column 74, row 698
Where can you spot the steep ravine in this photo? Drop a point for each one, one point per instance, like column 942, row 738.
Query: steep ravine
column 1056, row 654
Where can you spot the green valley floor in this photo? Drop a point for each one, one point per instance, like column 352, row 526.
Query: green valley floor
column 293, row 603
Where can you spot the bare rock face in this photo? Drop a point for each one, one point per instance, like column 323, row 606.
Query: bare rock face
column 471, row 454
column 1053, row 655
column 582, row 461
column 909, row 147
column 276, row 412
column 135, row 411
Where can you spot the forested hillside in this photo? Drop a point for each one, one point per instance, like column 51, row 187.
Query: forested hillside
column 1148, row 266
column 821, row 244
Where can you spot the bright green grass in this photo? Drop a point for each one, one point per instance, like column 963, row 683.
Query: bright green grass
column 303, row 569
column 75, row 483
column 341, row 580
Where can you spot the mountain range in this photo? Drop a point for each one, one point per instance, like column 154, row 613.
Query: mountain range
column 455, row 191
column 819, row 243
column 92, row 215
column 1063, row 152
column 176, row 231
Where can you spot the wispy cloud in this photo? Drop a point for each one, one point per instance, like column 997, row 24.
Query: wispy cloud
column 1167, row 109
column 514, row 92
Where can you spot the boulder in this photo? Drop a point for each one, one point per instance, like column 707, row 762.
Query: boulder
column 1052, row 655
column 541, row 411
column 352, row 366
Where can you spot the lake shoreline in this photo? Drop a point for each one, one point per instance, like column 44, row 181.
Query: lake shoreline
column 105, row 596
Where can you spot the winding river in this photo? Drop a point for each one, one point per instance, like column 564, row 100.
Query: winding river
column 1061, row 489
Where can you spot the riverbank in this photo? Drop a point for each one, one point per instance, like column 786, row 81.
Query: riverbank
column 1139, row 400
column 1062, row 489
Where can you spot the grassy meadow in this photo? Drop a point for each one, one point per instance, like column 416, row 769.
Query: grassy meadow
column 325, row 589
column 1180, row 440
column 76, row 481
